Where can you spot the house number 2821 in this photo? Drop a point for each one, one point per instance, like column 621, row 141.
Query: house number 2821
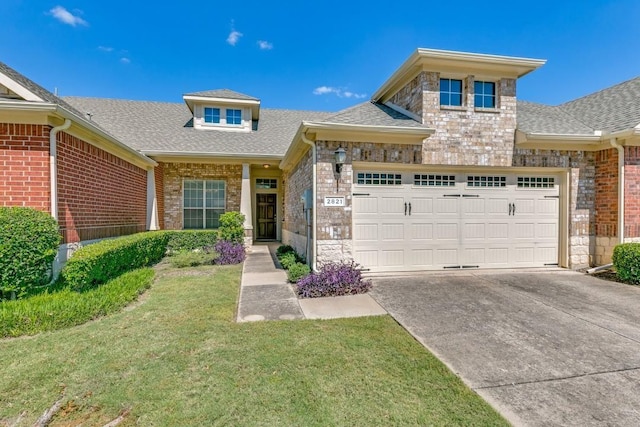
column 334, row 201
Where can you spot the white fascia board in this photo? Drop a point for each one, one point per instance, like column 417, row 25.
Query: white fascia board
column 160, row 153
column 207, row 99
column 402, row 130
column 563, row 137
column 17, row 88
column 511, row 61
column 27, row 106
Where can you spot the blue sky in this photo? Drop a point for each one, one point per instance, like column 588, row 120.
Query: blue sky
column 315, row 55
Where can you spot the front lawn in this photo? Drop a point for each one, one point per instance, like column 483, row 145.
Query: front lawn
column 177, row 358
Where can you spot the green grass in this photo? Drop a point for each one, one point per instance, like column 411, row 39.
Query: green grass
column 179, row 359
column 64, row 307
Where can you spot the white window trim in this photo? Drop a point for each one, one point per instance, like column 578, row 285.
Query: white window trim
column 204, row 208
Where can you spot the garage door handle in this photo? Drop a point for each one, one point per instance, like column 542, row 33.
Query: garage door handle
column 514, row 209
column 409, row 208
column 510, row 207
column 405, row 208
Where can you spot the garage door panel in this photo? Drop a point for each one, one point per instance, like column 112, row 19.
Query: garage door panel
column 365, row 232
column 444, row 206
column 421, row 257
column 447, row 231
column 392, row 258
column 454, row 224
column 421, row 206
column 392, row 232
column 421, row 231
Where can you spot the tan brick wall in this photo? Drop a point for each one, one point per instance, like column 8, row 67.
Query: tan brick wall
column 99, row 194
column 24, row 166
column 175, row 173
column 632, row 193
column 411, row 96
column 159, row 180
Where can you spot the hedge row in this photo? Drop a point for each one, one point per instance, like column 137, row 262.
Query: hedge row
column 96, row 264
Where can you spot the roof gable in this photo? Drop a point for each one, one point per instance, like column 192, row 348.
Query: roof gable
column 222, row 93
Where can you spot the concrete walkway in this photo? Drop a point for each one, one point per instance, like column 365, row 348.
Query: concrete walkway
column 265, row 294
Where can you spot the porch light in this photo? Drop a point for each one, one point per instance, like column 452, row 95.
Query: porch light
column 340, row 156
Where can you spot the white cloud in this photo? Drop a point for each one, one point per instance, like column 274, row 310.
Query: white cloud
column 125, row 60
column 233, row 38
column 265, row 45
column 340, row 93
column 105, row 48
column 66, row 17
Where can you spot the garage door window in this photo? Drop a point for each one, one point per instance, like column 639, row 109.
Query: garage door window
column 376, row 178
column 536, row 182
column 481, row 181
column 434, row 180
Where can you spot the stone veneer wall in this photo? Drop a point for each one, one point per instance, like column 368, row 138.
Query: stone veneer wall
column 295, row 182
column 175, row 173
column 582, row 198
column 159, row 180
column 410, row 97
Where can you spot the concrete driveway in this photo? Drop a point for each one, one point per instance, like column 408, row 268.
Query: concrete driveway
column 543, row 347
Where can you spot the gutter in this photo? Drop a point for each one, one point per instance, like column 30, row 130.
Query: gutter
column 620, row 149
column 314, row 150
column 53, row 166
column 397, row 130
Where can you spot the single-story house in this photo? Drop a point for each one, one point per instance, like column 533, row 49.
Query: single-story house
column 442, row 169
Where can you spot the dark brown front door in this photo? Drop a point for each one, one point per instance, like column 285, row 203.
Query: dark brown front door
column 266, row 216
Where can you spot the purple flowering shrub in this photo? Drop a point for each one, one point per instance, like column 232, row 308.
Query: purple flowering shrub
column 229, row 252
column 333, row 279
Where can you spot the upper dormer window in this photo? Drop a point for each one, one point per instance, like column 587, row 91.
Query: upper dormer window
column 211, row 115
column 234, row 117
column 484, row 94
column 451, row 92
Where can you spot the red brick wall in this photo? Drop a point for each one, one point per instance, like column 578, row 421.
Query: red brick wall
column 159, row 175
column 24, row 166
column 632, row 192
column 606, row 186
column 99, row 194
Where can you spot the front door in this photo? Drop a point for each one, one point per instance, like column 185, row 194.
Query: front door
column 266, row 216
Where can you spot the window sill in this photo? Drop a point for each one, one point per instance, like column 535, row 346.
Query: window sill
column 453, row 108
column 486, row 110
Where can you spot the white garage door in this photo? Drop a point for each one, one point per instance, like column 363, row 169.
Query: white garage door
column 431, row 221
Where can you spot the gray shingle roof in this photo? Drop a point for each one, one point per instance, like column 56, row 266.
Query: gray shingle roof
column 222, row 93
column 167, row 127
column 372, row 114
column 539, row 118
column 613, row 109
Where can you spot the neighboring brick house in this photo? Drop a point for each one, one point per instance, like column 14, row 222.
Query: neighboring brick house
column 442, row 169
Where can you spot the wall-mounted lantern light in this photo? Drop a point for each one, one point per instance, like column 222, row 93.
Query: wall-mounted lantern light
column 340, row 156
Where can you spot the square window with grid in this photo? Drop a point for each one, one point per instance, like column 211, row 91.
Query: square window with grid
column 266, row 183
column 484, row 94
column 434, row 180
column 486, row 181
column 234, row 117
column 376, row 178
column 203, row 203
column 451, row 92
column 211, row 115
column 536, row 182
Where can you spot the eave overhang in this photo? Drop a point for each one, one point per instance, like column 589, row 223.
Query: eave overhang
column 351, row 133
column 455, row 62
column 588, row 142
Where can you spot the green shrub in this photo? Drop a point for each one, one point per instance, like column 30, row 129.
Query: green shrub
column 97, row 263
column 189, row 240
column 50, row 311
column 284, row 249
column 288, row 259
column 297, row 271
column 232, row 227
column 626, row 260
column 193, row 258
column 29, row 242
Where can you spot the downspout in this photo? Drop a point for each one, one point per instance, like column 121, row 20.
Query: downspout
column 314, row 151
column 53, row 166
column 620, row 149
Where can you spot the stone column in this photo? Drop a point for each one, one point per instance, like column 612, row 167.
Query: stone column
column 245, row 204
